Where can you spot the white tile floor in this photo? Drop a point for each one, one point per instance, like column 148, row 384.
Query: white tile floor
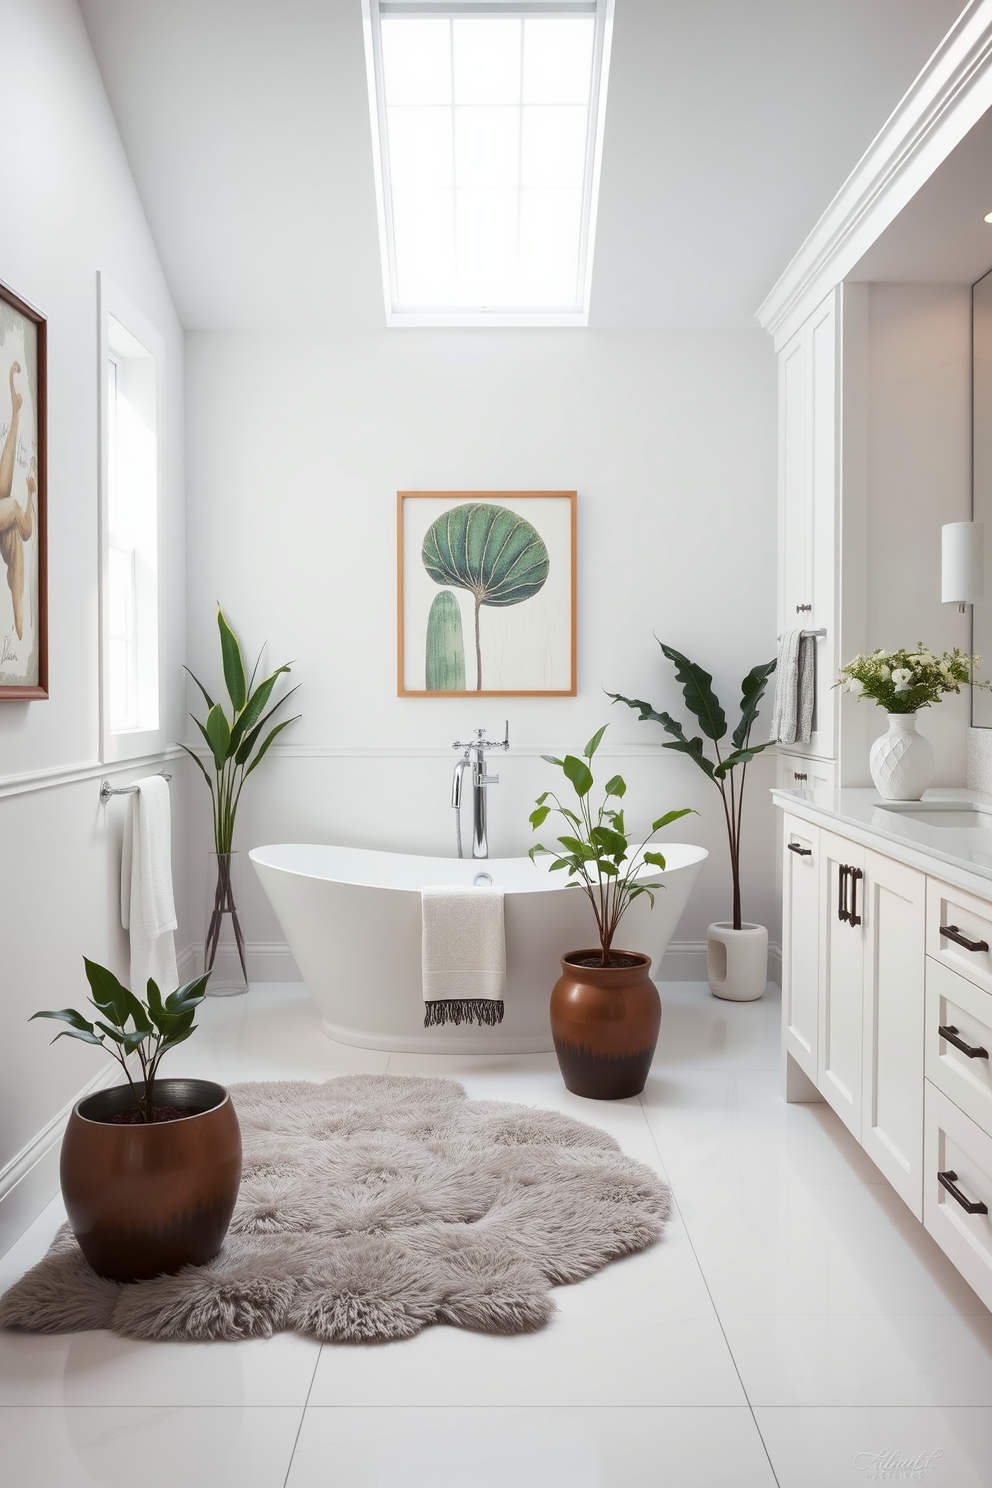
column 795, row 1326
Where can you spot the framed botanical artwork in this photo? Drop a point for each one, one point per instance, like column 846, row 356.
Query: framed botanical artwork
column 486, row 593
column 23, row 504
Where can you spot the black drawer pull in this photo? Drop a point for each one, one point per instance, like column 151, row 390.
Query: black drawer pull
column 843, row 913
column 949, row 1180
column 854, row 917
column 799, row 775
column 804, row 852
column 953, row 933
column 803, row 609
column 950, row 1033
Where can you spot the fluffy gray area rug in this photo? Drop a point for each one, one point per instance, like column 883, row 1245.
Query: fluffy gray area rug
column 370, row 1207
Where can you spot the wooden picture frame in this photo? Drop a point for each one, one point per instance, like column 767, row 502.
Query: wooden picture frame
column 472, row 623
column 23, row 500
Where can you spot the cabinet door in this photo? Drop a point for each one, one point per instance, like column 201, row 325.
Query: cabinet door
column 894, row 996
column 795, row 518
column 821, row 379
column 801, row 772
column 842, row 941
column 800, row 942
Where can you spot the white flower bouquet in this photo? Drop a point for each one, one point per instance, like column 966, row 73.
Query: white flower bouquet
column 905, row 681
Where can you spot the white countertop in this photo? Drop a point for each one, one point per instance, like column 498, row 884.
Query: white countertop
column 958, row 854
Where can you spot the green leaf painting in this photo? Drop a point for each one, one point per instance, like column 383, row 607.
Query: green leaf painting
column 445, row 645
column 490, row 551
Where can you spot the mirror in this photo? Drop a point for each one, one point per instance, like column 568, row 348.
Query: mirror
column 981, row 363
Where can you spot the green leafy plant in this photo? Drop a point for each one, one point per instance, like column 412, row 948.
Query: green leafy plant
column 597, row 849
column 490, row 551
column 234, row 743
column 156, row 1026
column 703, row 703
column 905, row 681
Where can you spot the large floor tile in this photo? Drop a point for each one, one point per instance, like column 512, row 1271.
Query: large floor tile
column 439, row 1447
column 641, row 1332
column 701, row 1031
column 714, row 1126
column 156, row 1448
column 826, row 1248
column 867, row 1360
column 949, row 1448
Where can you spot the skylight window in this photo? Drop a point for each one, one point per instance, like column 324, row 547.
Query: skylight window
column 487, row 120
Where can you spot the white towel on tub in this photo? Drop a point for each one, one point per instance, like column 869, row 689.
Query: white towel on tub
column 148, row 909
column 463, row 954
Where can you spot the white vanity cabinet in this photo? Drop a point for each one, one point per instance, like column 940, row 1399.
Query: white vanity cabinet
column 887, row 1012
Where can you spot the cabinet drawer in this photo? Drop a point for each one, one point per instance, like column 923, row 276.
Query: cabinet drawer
column 965, row 1011
column 971, row 920
column 803, row 772
column 955, row 1145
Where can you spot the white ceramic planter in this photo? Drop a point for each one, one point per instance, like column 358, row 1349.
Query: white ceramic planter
column 901, row 761
column 737, row 961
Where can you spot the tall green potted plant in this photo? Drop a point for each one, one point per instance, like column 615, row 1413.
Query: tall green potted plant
column 736, row 951
column 236, row 747
column 605, row 1010
column 149, row 1169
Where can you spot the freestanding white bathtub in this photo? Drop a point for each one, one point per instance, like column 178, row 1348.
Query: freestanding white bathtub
column 352, row 920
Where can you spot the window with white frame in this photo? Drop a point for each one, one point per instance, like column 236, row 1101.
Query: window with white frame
column 487, row 120
column 130, row 600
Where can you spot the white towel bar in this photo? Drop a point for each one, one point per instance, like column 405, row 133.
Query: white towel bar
column 107, row 790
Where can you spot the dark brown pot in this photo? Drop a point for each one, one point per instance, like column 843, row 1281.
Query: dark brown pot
column 146, row 1200
column 605, row 1022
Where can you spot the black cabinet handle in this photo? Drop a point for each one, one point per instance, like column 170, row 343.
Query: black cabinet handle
column 949, row 1032
column 843, row 913
column 949, row 1180
column 799, row 775
column 856, row 874
column 803, row 609
column 804, row 852
column 953, row 933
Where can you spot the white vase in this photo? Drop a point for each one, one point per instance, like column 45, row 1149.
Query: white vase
column 901, row 761
column 737, row 961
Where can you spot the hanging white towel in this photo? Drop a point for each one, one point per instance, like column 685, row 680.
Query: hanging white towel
column 463, row 955
column 795, row 688
column 148, row 909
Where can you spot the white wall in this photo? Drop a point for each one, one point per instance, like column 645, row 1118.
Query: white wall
column 296, row 449
column 68, row 208
column 919, row 476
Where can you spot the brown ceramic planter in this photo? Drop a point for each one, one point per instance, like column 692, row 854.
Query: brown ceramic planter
column 146, row 1200
column 605, row 1023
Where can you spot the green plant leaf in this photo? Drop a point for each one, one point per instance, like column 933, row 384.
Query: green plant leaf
column 234, row 666
column 172, row 1041
column 656, row 859
column 255, row 705
column 752, row 691
column 692, row 747
column 552, row 760
column 578, row 772
column 489, row 550
column 189, row 995
column 108, row 993
column 538, row 817
column 739, row 757
column 218, row 732
column 196, row 758
column 139, row 1016
column 67, row 1015
column 261, row 753
column 670, row 816
column 79, row 1033
column 609, row 840
column 594, row 742
column 616, row 786
column 206, row 696
column 697, row 689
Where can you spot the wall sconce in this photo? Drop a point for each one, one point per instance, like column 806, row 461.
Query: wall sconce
column 962, row 563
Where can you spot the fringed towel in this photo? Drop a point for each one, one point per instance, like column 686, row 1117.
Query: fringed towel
column 795, row 688
column 148, row 910
column 463, row 955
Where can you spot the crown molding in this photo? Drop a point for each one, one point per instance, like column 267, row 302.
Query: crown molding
column 947, row 99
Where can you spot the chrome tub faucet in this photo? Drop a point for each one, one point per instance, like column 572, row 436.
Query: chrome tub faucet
column 474, row 759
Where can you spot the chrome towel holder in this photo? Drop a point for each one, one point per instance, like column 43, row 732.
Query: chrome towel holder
column 107, row 790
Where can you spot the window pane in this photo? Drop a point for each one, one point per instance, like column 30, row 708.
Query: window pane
column 553, row 151
column 486, row 61
column 487, row 147
column 419, row 148
column 486, row 236
column 549, row 246
column 416, row 60
column 424, row 237
column 558, row 59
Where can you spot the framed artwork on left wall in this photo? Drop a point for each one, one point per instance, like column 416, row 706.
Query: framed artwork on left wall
column 23, row 503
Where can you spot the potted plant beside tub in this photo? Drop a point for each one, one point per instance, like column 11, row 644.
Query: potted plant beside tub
column 736, row 951
column 150, row 1170
column 605, row 1009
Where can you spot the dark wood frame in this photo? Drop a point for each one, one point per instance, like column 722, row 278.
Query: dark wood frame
column 38, row 690
column 403, row 496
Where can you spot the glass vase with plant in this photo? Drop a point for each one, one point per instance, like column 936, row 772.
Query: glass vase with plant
column 596, row 851
column 721, row 768
column 236, row 747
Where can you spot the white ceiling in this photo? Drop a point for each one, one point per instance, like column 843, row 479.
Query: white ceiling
column 730, row 125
